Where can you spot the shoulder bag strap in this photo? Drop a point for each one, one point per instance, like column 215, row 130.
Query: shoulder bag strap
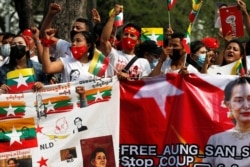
column 129, row 64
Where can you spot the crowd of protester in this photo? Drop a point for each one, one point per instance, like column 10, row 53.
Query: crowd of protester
column 57, row 60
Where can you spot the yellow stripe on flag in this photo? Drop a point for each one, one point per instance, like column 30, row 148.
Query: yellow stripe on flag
column 94, row 91
column 235, row 69
column 56, row 99
column 18, row 123
column 24, row 72
column 158, row 31
column 94, row 60
column 12, row 103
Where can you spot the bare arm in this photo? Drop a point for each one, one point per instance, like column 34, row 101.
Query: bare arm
column 105, row 45
column 246, row 17
column 35, row 36
column 54, row 8
column 48, row 66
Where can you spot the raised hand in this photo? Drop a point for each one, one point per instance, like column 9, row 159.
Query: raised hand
column 95, row 16
column 54, row 8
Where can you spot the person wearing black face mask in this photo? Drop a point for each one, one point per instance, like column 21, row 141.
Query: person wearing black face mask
column 19, row 59
column 177, row 58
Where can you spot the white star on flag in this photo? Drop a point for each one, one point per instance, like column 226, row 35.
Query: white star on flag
column 99, row 64
column 98, row 95
column 10, row 111
column 21, row 80
column 153, row 37
column 158, row 90
column 50, row 106
column 14, row 136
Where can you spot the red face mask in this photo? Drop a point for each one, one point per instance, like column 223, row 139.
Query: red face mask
column 128, row 43
column 78, row 52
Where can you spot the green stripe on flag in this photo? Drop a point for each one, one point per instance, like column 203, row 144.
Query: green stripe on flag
column 105, row 93
column 98, row 65
column 12, row 82
column 62, row 104
column 20, row 109
column 26, row 132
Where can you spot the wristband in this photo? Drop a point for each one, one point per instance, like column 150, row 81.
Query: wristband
column 38, row 42
column 47, row 42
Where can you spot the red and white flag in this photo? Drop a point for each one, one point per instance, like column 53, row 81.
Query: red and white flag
column 169, row 111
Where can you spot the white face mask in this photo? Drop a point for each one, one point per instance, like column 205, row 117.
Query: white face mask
column 5, row 50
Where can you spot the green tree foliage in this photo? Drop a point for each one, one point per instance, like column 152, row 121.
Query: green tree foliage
column 146, row 13
column 154, row 13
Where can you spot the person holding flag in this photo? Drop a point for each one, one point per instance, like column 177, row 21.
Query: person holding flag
column 73, row 68
column 21, row 73
column 234, row 60
column 119, row 59
column 177, row 62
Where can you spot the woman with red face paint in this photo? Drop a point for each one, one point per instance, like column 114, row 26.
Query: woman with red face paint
column 119, row 59
column 73, row 67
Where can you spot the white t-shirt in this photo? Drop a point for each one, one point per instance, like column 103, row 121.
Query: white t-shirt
column 75, row 70
column 34, row 58
column 230, row 138
column 166, row 67
column 118, row 61
column 62, row 49
column 248, row 63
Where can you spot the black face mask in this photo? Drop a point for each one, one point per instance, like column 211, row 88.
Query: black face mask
column 18, row 51
column 176, row 54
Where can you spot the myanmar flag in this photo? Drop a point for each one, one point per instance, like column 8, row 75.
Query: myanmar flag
column 21, row 80
column 99, row 64
column 171, row 4
column 155, row 34
column 17, row 134
column 196, row 5
column 186, row 40
column 118, row 18
column 97, row 95
column 12, row 109
column 238, row 68
column 57, row 104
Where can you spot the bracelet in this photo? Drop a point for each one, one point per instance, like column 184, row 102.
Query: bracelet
column 47, row 42
column 38, row 42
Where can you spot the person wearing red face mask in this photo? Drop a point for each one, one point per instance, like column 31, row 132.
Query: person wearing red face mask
column 75, row 67
column 119, row 59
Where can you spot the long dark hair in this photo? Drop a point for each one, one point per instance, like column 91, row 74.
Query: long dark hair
column 229, row 87
column 12, row 62
column 90, row 40
column 194, row 47
column 97, row 150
